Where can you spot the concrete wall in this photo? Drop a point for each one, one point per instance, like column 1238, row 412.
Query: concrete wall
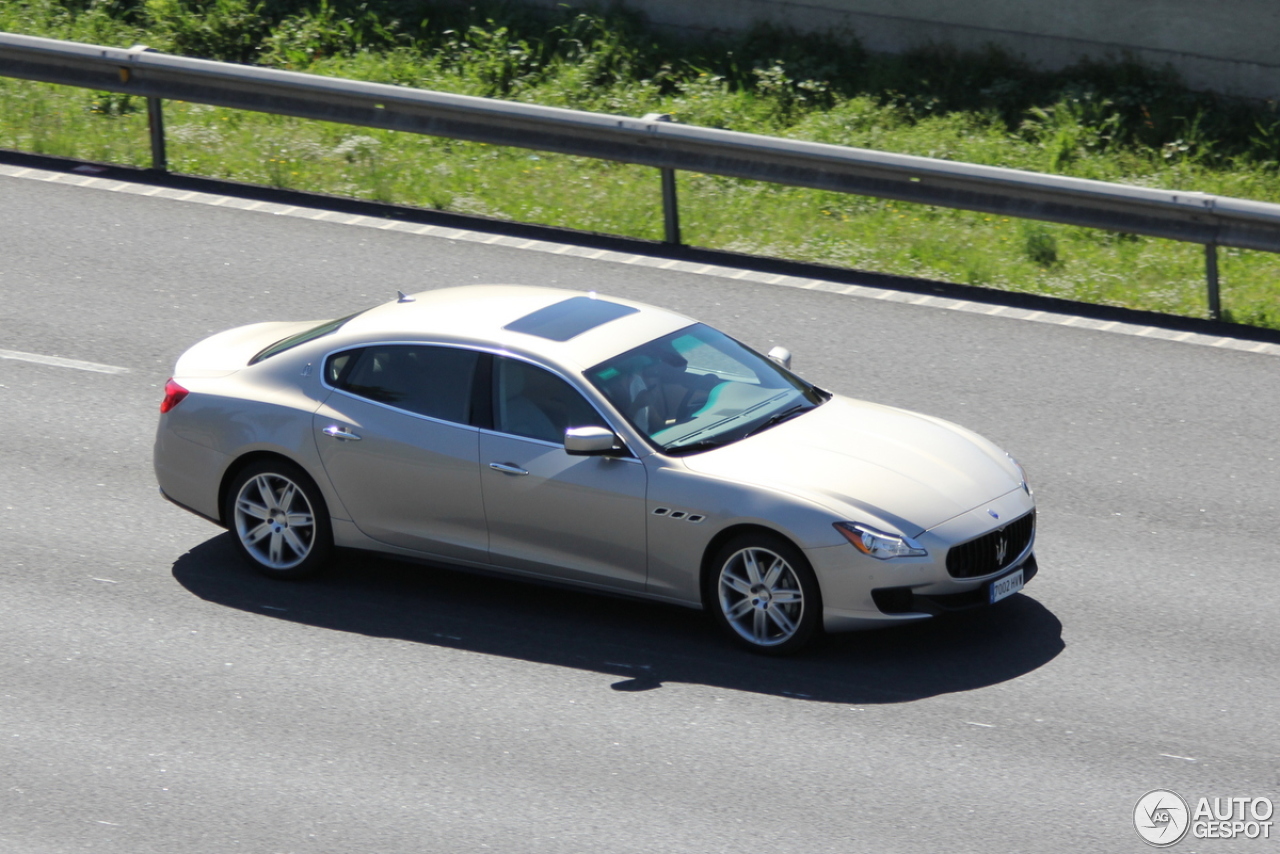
column 1231, row 46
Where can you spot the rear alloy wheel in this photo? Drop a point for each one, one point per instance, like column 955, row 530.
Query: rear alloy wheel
column 279, row 520
column 765, row 595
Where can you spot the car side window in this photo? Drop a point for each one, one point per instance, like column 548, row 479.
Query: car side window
column 532, row 402
column 431, row 381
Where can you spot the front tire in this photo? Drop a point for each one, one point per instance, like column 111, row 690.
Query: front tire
column 279, row 519
column 764, row 595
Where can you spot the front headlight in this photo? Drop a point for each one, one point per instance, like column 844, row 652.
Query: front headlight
column 1022, row 473
column 878, row 544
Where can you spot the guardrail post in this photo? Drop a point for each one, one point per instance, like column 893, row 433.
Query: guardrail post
column 1211, row 279
column 155, row 119
column 670, row 207
column 155, row 112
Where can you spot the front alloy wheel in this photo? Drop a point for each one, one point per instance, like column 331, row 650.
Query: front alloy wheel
column 279, row 520
column 766, row 595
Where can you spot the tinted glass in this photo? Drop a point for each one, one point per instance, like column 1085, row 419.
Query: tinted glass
column 432, row 381
column 326, row 328
column 529, row 401
column 698, row 388
column 570, row 318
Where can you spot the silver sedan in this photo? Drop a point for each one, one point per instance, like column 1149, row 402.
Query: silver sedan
column 590, row 441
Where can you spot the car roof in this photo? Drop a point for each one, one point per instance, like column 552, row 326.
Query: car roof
column 579, row 328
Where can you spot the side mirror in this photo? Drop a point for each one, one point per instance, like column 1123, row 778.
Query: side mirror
column 782, row 356
column 590, row 442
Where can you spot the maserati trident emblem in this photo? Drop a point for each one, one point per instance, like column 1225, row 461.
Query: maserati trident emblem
column 994, row 514
column 1002, row 550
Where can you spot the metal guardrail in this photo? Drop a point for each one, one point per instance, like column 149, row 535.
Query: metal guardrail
column 651, row 141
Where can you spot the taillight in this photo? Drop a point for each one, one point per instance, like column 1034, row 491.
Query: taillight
column 173, row 395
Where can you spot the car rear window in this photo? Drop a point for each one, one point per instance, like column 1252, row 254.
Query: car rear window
column 311, row 334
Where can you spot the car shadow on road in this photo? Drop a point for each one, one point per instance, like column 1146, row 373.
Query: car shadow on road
column 644, row 645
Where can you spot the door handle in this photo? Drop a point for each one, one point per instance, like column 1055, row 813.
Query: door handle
column 342, row 433
column 507, row 468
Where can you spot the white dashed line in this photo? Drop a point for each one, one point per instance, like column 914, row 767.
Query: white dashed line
column 446, row 233
column 59, row 362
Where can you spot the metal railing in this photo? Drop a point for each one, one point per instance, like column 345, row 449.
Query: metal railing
column 652, row 141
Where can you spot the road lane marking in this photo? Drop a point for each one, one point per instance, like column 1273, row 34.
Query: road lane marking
column 59, row 362
column 1114, row 327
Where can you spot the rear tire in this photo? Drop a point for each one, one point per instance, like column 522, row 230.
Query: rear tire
column 763, row 594
column 279, row 520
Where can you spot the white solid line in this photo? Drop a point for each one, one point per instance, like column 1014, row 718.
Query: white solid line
column 1171, row 756
column 59, row 362
column 975, row 723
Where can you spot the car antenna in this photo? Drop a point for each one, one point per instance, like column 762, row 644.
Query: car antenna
column 403, row 297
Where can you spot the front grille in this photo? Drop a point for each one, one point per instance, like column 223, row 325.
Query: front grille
column 993, row 551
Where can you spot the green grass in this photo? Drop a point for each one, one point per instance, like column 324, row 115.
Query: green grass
column 1109, row 122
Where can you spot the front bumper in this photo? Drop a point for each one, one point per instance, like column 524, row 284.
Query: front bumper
column 905, row 600
column 861, row 593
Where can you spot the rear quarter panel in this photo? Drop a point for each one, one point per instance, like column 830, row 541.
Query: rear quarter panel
column 264, row 408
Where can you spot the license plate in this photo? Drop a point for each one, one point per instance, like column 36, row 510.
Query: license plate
column 1007, row 586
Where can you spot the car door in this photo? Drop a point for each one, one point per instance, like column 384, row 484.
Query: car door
column 396, row 444
column 577, row 518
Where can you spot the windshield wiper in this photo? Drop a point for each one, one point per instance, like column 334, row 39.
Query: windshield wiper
column 778, row 417
column 700, row 445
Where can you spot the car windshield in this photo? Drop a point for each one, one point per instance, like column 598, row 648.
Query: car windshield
column 698, row 389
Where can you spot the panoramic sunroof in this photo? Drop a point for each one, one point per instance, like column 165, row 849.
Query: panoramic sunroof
column 569, row 318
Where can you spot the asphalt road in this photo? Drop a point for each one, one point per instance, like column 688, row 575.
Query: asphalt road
column 155, row 696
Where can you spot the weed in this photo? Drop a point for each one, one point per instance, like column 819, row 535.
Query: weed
column 1040, row 246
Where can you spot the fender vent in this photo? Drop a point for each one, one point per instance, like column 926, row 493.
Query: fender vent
column 695, row 518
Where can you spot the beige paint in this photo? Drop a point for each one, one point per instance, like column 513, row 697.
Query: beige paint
column 1231, row 46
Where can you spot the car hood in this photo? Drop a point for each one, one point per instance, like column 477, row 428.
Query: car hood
column 865, row 460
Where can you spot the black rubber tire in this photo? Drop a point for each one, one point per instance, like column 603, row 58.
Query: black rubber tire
column 278, row 519
column 778, row 618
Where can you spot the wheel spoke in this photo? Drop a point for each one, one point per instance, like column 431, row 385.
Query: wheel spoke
column 753, row 568
column 782, row 621
column 787, row 597
column 739, row 609
column 736, row 584
column 775, row 570
column 275, row 552
column 300, row 520
column 295, row 542
column 760, row 626
column 264, row 489
column 286, row 496
column 248, row 508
